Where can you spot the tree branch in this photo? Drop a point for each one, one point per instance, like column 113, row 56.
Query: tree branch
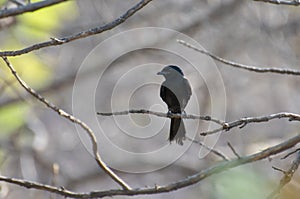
column 287, row 176
column 241, row 123
column 241, row 66
column 233, row 150
column 31, row 7
column 18, row 2
column 169, row 115
column 282, row 2
column 165, row 188
column 290, row 153
column 83, row 34
column 174, row 115
column 73, row 119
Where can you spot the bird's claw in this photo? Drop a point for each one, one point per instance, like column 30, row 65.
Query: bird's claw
column 169, row 114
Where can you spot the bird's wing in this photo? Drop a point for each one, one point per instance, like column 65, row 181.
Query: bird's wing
column 188, row 92
column 188, row 88
column 163, row 92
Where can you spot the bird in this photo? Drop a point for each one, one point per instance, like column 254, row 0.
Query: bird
column 175, row 91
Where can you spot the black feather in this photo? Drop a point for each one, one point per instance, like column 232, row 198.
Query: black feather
column 176, row 68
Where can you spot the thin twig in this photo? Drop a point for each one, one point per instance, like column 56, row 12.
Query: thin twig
column 73, row 119
column 282, row 2
column 287, row 177
column 287, row 155
column 190, row 180
column 233, row 150
column 278, row 169
column 169, row 115
column 28, row 8
column 83, row 34
column 18, row 3
column 241, row 66
column 241, row 123
column 214, row 151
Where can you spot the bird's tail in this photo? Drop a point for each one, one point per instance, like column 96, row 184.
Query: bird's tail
column 177, row 130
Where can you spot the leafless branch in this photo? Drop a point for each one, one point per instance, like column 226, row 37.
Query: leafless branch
column 83, row 34
column 278, row 169
column 18, row 2
column 174, row 115
column 291, row 153
column 241, row 123
column 287, row 177
column 225, row 126
column 31, row 7
column 233, row 150
column 214, row 151
column 73, row 119
column 169, row 115
column 190, row 180
column 282, row 2
column 241, row 66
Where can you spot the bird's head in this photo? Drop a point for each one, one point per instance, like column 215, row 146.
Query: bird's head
column 171, row 71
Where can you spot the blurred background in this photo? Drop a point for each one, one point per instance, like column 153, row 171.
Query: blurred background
column 116, row 71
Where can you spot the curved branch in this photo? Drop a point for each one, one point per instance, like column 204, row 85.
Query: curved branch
column 165, row 188
column 241, row 66
column 83, row 34
column 73, row 119
column 241, row 123
column 28, row 8
column 159, row 114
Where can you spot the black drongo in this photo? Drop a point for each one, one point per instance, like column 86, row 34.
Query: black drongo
column 175, row 91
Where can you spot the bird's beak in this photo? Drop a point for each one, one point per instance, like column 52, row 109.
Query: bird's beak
column 160, row 73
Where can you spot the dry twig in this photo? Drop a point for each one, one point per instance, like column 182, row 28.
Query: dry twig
column 73, row 119
column 169, row 115
column 242, row 66
column 83, row 34
column 290, row 153
column 223, row 166
column 282, row 2
column 241, row 123
column 287, row 177
column 28, row 8
column 233, row 150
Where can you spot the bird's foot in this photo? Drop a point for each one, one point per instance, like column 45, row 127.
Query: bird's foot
column 169, row 114
column 183, row 113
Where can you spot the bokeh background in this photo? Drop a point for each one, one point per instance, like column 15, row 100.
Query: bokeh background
column 116, row 70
